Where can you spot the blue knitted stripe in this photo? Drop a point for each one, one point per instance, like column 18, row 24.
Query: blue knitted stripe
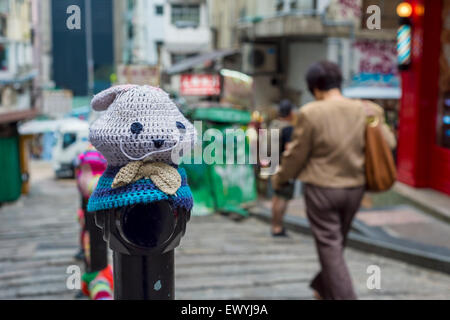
column 142, row 191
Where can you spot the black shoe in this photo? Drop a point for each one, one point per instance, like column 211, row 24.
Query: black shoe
column 282, row 233
column 79, row 255
column 80, row 296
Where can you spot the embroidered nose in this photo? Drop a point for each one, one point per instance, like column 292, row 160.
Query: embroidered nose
column 136, row 128
column 158, row 143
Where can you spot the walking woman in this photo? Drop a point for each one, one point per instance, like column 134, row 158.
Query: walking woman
column 327, row 154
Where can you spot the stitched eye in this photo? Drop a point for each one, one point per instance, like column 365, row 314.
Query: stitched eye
column 180, row 126
column 136, row 128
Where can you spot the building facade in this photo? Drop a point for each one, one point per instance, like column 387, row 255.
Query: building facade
column 16, row 55
column 304, row 31
column 70, row 54
column 156, row 34
column 186, row 30
column 139, row 30
column 17, row 95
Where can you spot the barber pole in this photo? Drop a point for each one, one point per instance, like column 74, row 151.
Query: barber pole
column 404, row 46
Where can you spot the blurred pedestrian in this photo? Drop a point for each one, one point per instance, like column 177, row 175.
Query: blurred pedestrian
column 282, row 196
column 89, row 166
column 96, row 284
column 327, row 154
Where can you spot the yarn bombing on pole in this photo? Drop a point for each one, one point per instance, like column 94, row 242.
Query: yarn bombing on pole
column 91, row 164
column 98, row 285
column 142, row 135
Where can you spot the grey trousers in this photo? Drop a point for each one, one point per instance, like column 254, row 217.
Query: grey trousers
column 330, row 213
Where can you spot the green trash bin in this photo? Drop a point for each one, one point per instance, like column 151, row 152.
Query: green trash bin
column 222, row 187
column 10, row 175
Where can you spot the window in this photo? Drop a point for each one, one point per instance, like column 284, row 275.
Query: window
column 293, row 5
column 69, row 139
column 131, row 5
column 186, row 15
column 159, row 45
column 303, row 5
column 279, row 5
column 3, row 58
column 3, row 25
column 159, row 10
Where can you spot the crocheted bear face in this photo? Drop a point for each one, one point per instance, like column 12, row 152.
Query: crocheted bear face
column 139, row 123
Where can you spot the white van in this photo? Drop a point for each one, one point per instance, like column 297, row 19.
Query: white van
column 71, row 139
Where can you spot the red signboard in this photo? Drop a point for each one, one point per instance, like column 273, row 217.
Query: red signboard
column 200, row 85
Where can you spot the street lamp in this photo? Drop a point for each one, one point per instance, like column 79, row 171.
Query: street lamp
column 404, row 11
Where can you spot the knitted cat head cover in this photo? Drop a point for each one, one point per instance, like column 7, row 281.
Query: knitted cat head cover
column 140, row 131
column 139, row 123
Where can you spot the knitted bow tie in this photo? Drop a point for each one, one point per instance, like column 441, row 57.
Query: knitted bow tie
column 164, row 176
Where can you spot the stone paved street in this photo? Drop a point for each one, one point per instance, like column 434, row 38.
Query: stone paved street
column 218, row 258
column 400, row 220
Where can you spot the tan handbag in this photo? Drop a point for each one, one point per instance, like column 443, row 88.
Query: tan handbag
column 379, row 163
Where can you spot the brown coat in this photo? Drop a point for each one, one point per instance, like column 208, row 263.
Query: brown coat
column 327, row 147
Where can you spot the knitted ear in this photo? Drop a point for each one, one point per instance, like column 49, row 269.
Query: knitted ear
column 103, row 100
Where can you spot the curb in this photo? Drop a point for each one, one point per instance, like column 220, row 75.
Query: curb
column 367, row 239
column 435, row 210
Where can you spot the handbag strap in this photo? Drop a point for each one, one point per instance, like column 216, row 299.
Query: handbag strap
column 372, row 119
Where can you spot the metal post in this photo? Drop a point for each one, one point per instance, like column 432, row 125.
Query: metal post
column 144, row 277
column 98, row 249
column 143, row 238
column 98, row 252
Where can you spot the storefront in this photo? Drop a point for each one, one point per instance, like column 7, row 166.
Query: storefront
column 424, row 128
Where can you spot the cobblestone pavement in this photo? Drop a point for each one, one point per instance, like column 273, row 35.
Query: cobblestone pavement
column 398, row 220
column 217, row 259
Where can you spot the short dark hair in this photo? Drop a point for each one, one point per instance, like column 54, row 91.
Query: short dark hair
column 285, row 108
column 324, row 76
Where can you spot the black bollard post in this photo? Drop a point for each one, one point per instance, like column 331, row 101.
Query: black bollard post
column 155, row 280
column 98, row 252
column 143, row 238
column 142, row 202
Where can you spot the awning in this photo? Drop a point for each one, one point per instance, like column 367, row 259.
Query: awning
column 366, row 85
column 372, row 92
column 14, row 116
column 42, row 126
column 200, row 59
column 19, row 79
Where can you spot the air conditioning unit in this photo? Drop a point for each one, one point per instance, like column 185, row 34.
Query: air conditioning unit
column 259, row 58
